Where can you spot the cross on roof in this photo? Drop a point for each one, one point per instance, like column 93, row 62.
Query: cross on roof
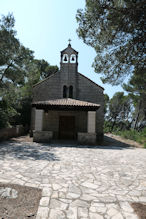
column 69, row 41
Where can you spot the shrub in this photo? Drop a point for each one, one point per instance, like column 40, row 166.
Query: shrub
column 138, row 136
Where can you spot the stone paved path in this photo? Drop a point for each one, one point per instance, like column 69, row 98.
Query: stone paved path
column 93, row 183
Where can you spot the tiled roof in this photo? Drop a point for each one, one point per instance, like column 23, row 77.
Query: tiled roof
column 69, row 47
column 66, row 102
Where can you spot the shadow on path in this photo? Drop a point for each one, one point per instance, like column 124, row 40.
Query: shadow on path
column 15, row 149
column 109, row 141
column 26, row 150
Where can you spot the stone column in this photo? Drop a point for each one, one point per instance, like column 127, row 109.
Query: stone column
column 90, row 136
column 32, row 127
column 39, row 120
column 91, row 124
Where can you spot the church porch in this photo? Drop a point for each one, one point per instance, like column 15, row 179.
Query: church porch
column 66, row 119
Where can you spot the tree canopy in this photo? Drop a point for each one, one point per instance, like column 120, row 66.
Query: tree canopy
column 119, row 111
column 136, row 88
column 19, row 71
column 13, row 55
column 116, row 30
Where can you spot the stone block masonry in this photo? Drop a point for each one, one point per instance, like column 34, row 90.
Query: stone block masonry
column 42, row 136
column 39, row 120
column 87, row 138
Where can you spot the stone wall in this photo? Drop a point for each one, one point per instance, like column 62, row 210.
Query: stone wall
column 42, row 136
column 87, row 138
column 39, row 114
column 7, row 133
column 89, row 91
column 32, row 119
column 48, row 89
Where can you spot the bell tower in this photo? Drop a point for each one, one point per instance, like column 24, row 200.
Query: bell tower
column 68, row 71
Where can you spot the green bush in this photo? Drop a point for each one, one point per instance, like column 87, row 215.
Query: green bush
column 138, row 136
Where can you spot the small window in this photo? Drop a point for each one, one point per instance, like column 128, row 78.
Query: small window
column 71, row 91
column 73, row 58
column 65, row 58
column 64, row 91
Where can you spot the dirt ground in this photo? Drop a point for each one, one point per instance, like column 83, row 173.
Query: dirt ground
column 22, row 207
column 140, row 210
column 109, row 139
column 26, row 138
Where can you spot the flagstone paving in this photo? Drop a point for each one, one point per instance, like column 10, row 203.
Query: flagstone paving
column 77, row 182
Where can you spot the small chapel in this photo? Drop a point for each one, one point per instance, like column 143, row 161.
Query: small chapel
column 67, row 105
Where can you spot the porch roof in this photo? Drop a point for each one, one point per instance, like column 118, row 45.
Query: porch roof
column 66, row 104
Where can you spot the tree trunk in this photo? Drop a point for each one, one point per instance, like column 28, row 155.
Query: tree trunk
column 1, row 79
column 113, row 124
column 138, row 113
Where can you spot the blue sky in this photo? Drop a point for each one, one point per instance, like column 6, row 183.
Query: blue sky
column 45, row 26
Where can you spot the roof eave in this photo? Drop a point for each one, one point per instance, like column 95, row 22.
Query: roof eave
column 91, row 80
column 65, row 108
column 67, row 48
column 45, row 79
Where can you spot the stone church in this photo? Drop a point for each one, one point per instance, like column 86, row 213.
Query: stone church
column 68, row 105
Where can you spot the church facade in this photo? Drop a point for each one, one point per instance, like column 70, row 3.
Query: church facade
column 67, row 105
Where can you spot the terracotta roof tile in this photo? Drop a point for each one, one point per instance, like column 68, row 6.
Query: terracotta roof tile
column 66, row 102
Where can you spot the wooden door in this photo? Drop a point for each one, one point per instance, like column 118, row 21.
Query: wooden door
column 66, row 127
